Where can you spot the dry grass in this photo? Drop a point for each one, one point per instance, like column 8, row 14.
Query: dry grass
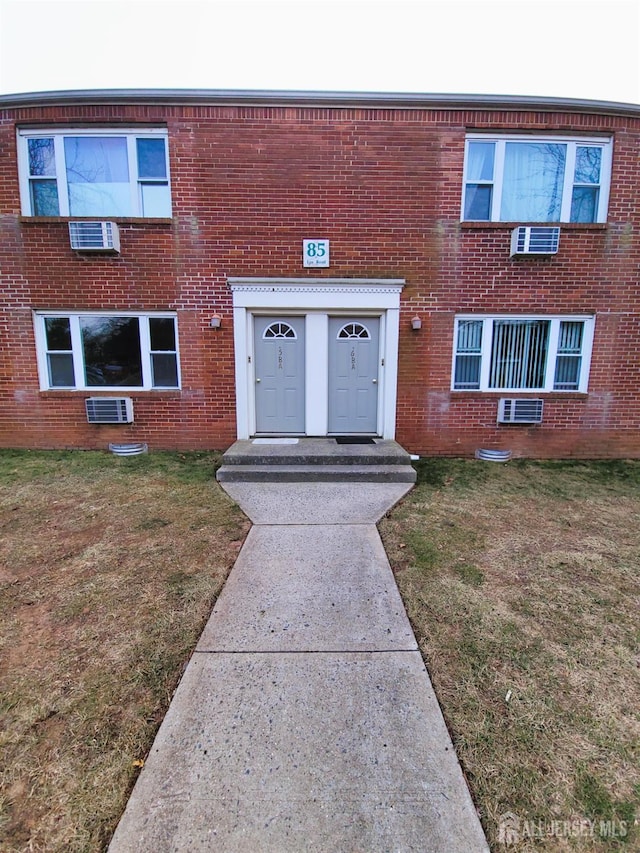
column 522, row 582
column 108, row 570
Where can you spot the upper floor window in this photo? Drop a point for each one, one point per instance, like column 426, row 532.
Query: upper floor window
column 522, row 353
column 94, row 173
column 542, row 179
column 91, row 351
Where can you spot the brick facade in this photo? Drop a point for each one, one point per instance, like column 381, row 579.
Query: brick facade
column 249, row 181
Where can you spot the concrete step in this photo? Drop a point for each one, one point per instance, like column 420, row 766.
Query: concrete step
column 320, row 473
column 315, row 460
column 315, row 451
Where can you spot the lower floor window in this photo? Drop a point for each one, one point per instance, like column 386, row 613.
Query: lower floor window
column 88, row 351
column 522, row 353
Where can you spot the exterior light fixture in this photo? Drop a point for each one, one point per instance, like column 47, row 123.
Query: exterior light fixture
column 216, row 321
column 416, row 323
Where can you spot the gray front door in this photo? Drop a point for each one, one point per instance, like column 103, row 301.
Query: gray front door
column 353, row 374
column 279, row 374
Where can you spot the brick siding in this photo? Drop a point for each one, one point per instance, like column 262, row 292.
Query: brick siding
column 384, row 185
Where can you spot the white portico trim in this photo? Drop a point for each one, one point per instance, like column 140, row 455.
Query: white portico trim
column 316, row 299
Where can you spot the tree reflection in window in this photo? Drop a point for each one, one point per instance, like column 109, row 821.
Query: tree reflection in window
column 111, row 350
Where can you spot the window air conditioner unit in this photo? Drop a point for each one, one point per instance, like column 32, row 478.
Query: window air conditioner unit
column 519, row 411
column 534, row 240
column 109, row 410
column 94, row 236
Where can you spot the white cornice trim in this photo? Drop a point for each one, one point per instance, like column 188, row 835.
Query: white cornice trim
column 317, row 285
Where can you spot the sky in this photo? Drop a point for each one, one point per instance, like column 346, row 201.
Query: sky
column 551, row 48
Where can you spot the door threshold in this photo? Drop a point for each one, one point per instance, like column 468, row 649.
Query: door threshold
column 274, row 440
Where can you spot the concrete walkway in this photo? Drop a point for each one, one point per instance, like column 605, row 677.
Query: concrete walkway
column 305, row 721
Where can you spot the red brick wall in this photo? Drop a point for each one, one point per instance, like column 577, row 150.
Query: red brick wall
column 384, row 185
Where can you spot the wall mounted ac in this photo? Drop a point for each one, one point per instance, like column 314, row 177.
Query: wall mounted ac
column 109, row 410
column 94, row 236
column 534, row 240
column 520, row 410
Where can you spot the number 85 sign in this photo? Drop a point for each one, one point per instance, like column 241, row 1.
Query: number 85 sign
column 315, row 253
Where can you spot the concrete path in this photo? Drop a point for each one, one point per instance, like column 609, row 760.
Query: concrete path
column 305, row 721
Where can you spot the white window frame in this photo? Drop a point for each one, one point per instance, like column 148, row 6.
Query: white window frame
column 58, row 135
column 78, row 356
column 552, row 352
column 572, row 142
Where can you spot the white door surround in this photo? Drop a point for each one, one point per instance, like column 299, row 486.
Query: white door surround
column 316, row 299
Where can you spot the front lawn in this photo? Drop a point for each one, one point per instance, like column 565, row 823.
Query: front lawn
column 109, row 568
column 522, row 582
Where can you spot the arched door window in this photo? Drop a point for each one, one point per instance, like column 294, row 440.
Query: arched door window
column 279, row 330
column 354, row 330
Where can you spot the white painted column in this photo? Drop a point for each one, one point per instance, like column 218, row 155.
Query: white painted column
column 392, row 334
column 243, row 374
column 317, row 378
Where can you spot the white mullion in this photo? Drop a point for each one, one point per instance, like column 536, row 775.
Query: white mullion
column 498, row 177
column 177, row 343
column 454, row 360
column 605, row 182
column 552, row 353
column 463, row 200
column 61, row 175
column 567, row 188
column 134, row 184
column 485, row 357
column 167, row 165
column 41, row 352
column 588, row 330
column 24, row 176
column 145, row 352
column 76, row 349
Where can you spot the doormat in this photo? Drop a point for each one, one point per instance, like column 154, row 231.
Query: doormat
column 354, row 439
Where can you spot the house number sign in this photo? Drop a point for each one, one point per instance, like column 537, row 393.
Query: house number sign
column 315, row 253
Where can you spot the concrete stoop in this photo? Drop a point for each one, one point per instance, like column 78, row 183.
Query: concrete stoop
column 315, row 460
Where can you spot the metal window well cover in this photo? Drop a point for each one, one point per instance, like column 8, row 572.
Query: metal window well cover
column 133, row 449
column 493, row 455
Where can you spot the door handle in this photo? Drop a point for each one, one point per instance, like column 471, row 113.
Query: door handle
column 258, row 380
column 375, row 381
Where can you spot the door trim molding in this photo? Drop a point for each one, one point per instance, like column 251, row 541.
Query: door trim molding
column 316, row 298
